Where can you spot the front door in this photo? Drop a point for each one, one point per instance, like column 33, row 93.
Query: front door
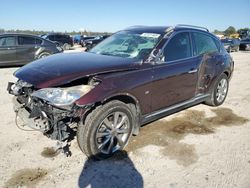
column 8, row 50
column 175, row 77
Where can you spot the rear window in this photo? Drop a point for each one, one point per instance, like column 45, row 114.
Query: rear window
column 204, row 43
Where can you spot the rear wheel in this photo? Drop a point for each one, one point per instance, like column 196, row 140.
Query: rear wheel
column 43, row 54
column 219, row 92
column 66, row 46
column 106, row 130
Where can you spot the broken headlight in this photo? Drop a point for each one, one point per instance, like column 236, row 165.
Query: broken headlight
column 62, row 96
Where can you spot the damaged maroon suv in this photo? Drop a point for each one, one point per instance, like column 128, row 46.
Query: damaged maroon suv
column 134, row 77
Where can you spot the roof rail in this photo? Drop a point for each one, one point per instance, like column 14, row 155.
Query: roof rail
column 192, row 26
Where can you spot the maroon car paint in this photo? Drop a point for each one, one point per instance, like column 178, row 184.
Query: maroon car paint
column 60, row 69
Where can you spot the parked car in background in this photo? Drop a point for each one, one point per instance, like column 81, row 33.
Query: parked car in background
column 244, row 33
column 76, row 39
column 231, row 44
column 63, row 40
column 19, row 49
column 83, row 39
column 245, row 44
column 134, row 77
column 90, row 43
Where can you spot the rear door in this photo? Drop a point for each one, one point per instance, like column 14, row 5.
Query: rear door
column 8, row 50
column 27, row 48
column 175, row 78
column 210, row 59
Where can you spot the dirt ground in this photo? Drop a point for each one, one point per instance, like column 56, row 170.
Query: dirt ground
column 199, row 147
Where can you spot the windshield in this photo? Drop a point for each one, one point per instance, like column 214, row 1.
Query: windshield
column 127, row 44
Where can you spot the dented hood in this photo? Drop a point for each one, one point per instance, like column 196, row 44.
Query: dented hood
column 60, row 69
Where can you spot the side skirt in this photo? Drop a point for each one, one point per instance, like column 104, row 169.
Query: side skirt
column 173, row 109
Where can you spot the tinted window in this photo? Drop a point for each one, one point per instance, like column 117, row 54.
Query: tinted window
column 51, row 37
column 204, row 43
column 26, row 40
column 7, row 41
column 38, row 41
column 218, row 44
column 178, row 47
column 61, row 37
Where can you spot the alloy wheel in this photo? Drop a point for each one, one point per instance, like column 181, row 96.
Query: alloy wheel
column 113, row 132
column 221, row 90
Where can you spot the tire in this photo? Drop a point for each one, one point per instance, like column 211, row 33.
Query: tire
column 98, row 138
column 43, row 54
column 219, row 93
column 66, row 46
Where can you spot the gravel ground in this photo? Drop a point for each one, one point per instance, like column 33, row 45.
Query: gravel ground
column 199, row 147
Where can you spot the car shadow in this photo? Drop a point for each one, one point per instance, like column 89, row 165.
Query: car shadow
column 117, row 171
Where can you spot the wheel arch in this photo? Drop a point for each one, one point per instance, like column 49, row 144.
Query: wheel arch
column 127, row 99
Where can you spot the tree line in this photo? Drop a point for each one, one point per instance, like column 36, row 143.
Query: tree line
column 40, row 32
column 229, row 31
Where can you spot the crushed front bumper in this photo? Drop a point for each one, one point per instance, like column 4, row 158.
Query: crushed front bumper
column 37, row 123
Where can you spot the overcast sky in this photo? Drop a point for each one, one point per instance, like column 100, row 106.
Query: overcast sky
column 113, row 15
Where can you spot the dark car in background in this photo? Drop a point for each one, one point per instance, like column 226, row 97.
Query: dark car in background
column 244, row 33
column 134, row 77
column 19, row 49
column 90, row 43
column 231, row 44
column 63, row 40
column 83, row 39
column 245, row 44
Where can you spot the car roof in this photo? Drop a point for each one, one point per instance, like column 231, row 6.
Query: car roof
column 56, row 34
column 164, row 29
column 148, row 29
column 18, row 34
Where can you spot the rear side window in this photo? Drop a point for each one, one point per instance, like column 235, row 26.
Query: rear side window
column 28, row 41
column 178, row 47
column 38, row 41
column 7, row 41
column 59, row 37
column 204, row 44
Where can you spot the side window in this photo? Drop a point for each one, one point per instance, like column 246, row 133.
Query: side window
column 218, row 44
column 38, row 41
column 26, row 40
column 7, row 41
column 204, row 44
column 178, row 47
column 58, row 37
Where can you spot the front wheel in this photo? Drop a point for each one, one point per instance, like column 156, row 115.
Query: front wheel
column 106, row 130
column 219, row 91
